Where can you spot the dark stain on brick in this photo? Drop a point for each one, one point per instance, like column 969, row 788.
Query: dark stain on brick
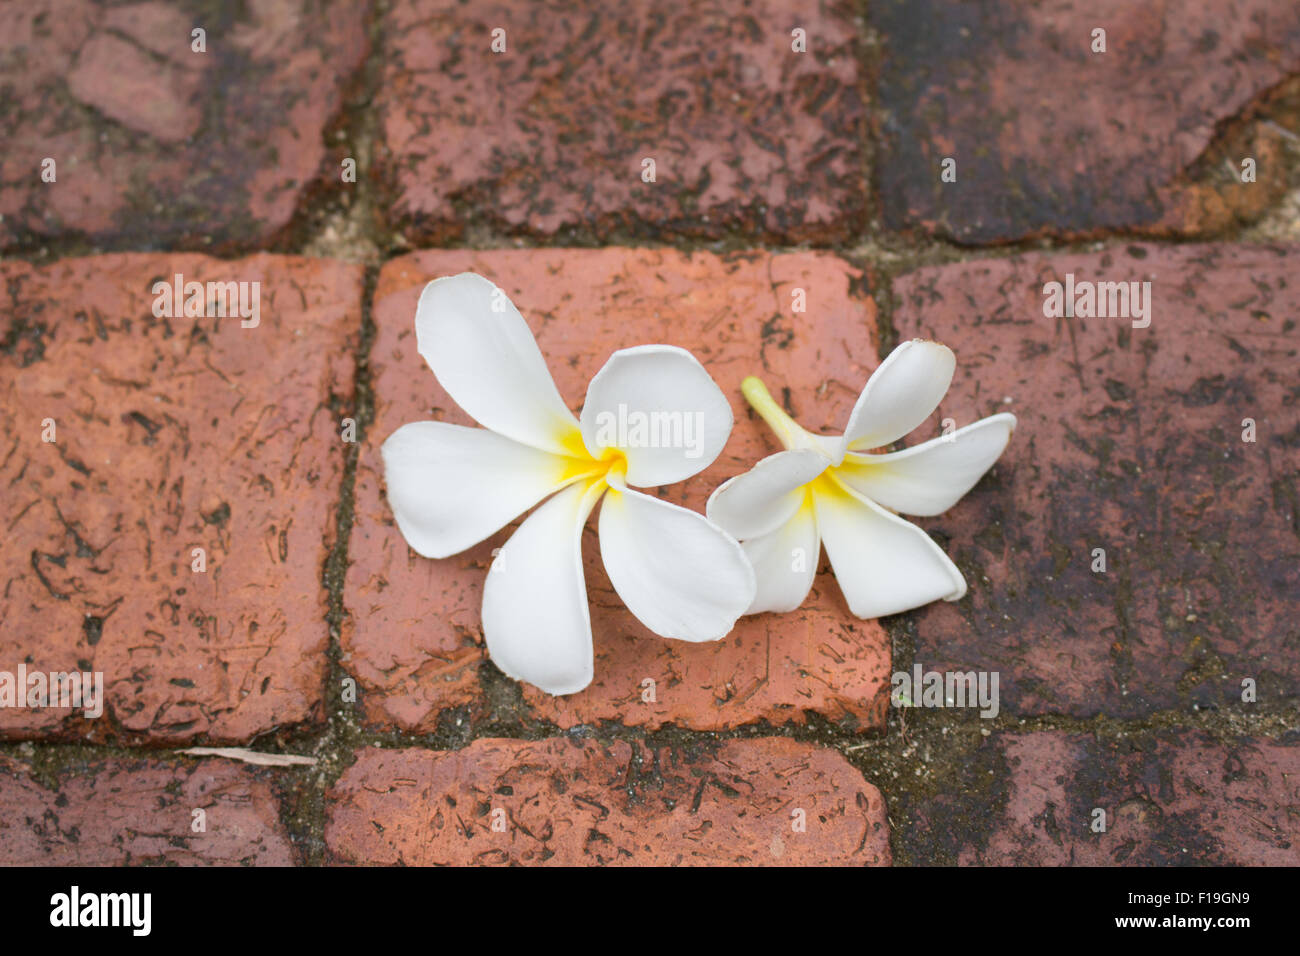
column 219, row 515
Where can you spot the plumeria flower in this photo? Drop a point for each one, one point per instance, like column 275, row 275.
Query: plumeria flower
column 833, row 491
column 652, row 416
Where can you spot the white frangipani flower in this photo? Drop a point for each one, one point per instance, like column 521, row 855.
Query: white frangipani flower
column 831, row 491
column 652, row 416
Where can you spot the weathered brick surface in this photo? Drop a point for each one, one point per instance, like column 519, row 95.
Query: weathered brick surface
column 1172, row 798
column 138, row 812
column 1129, row 440
column 172, row 434
column 1050, row 137
column 158, row 145
column 745, row 133
column 571, row 802
column 414, row 638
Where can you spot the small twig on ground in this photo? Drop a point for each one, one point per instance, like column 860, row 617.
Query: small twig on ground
column 252, row 756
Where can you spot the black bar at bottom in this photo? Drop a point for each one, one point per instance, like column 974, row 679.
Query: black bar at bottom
column 332, row 906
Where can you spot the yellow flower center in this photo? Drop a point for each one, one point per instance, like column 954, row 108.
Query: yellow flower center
column 580, row 463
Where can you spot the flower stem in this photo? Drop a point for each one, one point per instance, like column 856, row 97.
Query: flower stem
column 761, row 400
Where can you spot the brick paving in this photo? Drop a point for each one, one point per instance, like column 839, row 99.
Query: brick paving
column 1162, row 799
column 569, row 803
column 143, row 813
column 1160, row 691
column 1110, row 143
column 157, row 145
column 552, row 135
column 1130, row 440
column 172, row 434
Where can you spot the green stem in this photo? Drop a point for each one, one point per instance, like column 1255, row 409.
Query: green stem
column 761, row 400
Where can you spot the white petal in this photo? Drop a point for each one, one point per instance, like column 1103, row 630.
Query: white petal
column 680, row 574
column 900, row 394
column 883, row 564
column 785, row 561
column 450, row 487
column 929, row 478
column 535, row 614
column 489, row 363
column 765, row 497
column 657, row 405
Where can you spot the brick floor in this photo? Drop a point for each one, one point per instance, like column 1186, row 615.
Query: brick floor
column 1129, row 440
column 1171, row 798
column 155, row 144
column 1051, row 138
column 171, row 434
column 141, row 812
column 194, row 432
column 413, row 636
column 571, row 802
column 745, row 133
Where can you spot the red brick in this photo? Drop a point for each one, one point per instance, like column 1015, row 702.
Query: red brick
column 550, row 135
column 1129, row 440
column 1172, row 798
column 172, row 434
column 414, row 637
column 139, row 812
column 1051, row 138
column 569, row 802
column 156, row 144
column 159, row 100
